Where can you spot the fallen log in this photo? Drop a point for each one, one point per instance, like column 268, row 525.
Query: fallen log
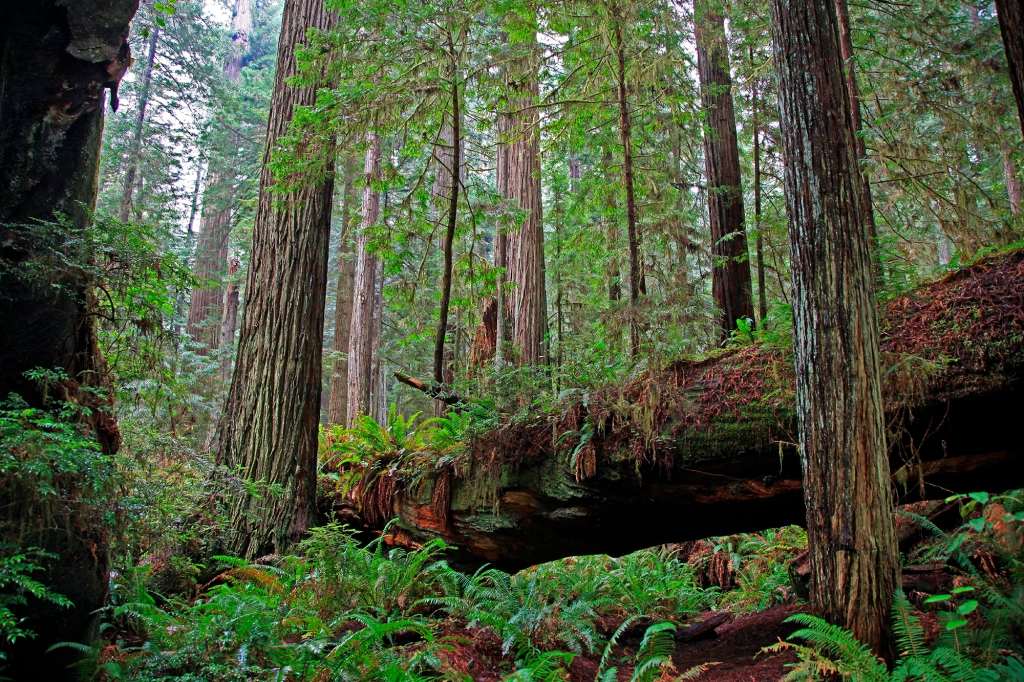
column 704, row 629
column 436, row 391
column 707, row 447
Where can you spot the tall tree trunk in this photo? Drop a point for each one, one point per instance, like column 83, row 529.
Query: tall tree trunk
column 503, row 323
column 343, row 304
column 1013, row 185
column 378, row 381
column 612, row 273
column 853, row 91
column 854, row 559
column 449, row 236
column 731, row 264
column 229, row 318
column 269, row 427
column 626, row 139
column 525, row 248
column 1011, row 24
column 135, row 148
column 360, row 338
column 762, row 297
column 206, row 305
column 209, row 307
column 56, row 62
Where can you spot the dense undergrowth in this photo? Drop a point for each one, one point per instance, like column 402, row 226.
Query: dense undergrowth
column 344, row 608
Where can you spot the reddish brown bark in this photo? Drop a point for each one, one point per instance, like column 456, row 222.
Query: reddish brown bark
column 360, row 338
column 268, row 432
column 762, row 298
column 731, row 265
column 853, row 90
column 854, row 560
column 206, row 305
column 1011, row 25
column 525, row 242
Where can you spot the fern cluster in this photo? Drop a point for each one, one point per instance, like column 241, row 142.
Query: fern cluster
column 831, row 651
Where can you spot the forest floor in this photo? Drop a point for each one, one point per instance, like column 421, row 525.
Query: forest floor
column 735, row 653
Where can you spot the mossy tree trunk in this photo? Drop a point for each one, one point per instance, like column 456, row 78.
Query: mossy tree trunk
column 840, row 413
column 730, row 282
column 55, row 62
column 626, row 140
column 269, row 428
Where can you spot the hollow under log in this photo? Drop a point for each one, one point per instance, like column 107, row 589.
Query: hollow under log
column 707, row 447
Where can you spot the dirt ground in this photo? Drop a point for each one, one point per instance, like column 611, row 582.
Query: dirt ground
column 735, row 651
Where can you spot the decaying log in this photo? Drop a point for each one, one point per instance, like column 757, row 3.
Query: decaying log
column 704, row 629
column 436, row 391
column 705, row 448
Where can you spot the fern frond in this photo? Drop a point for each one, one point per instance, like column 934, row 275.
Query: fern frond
column 910, row 635
column 697, row 670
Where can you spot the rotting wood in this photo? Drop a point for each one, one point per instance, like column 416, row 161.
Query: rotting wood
column 719, row 457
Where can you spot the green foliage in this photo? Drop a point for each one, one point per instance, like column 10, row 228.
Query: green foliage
column 653, row 659
column 52, row 472
column 832, row 650
column 16, row 584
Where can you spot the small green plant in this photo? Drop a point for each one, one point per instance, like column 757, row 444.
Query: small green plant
column 653, row 660
column 833, row 651
column 16, row 585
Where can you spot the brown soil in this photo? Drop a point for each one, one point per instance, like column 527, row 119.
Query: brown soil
column 735, row 651
column 737, row 647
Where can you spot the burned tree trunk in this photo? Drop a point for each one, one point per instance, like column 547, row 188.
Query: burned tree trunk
column 731, row 267
column 1011, row 24
column 269, row 426
column 852, row 542
column 57, row 61
column 343, row 304
column 360, row 338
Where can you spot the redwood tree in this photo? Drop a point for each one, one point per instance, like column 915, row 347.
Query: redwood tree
column 338, row 403
column 521, row 183
column 854, row 560
column 730, row 282
column 1011, row 24
column 853, row 91
column 268, row 432
column 58, row 60
column 360, row 338
column 212, row 312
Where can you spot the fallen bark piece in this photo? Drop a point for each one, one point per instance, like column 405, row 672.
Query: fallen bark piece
column 704, row 629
